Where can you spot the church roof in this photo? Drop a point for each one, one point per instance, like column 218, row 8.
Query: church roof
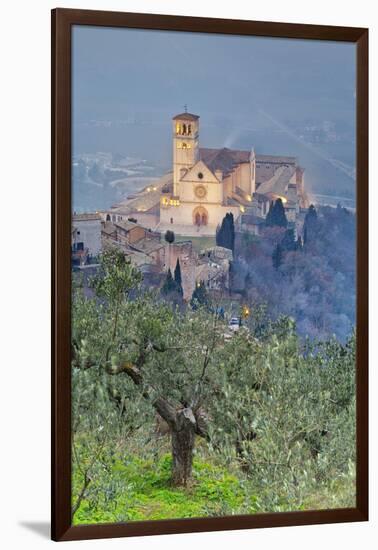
column 223, row 159
column 279, row 182
column 185, row 116
column 143, row 200
column 275, row 159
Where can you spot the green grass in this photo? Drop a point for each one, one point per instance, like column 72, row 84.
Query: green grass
column 132, row 488
column 141, row 490
column 199, row 243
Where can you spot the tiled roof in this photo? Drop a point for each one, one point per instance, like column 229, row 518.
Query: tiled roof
column 185, row 116
column 273, row 159
column 108, row 228
column 279, row 182
column 224, row 159
column 126, row 224
column 147, row 245
column 143, row 200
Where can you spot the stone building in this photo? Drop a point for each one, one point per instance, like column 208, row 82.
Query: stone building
column 205, row 184
column 86, row 233
column 208, row 183
column 140, row 244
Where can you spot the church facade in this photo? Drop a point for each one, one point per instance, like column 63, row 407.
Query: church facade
column 208, row 183
column 205, row 184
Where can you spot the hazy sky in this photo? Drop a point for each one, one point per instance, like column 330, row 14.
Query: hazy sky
column 246, row 90
column 120, row 71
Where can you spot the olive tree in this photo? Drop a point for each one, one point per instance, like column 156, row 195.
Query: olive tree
column 289, row 414
column 168, row 357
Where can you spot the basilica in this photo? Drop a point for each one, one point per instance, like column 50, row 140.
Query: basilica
column 205, row 184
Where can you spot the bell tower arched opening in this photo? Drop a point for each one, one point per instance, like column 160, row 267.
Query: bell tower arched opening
column 185, row 145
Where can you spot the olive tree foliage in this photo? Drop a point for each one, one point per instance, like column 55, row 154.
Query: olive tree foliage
column 290, row 415
column 279, row 410
column 103, row 413
column 132, row 342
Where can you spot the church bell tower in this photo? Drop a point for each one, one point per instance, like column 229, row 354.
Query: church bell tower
column 185, row 146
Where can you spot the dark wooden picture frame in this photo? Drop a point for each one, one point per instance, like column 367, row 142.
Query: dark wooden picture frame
column 62, row 22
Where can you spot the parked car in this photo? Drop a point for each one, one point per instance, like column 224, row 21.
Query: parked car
column 234, row 324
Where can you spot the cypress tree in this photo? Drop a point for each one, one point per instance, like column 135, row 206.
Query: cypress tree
column 169, row 284
column 199, row 296
column 276, row 215
column 225, row 235
column 177, row 275
column 310, row 225
column 288, row 241
column 268, row 219
column 232, row 231
column 277, row 256
column 169, row 236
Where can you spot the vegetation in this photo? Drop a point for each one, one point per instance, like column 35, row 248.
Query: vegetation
column 313, row 281
column 276, row 215
column 169, row 236
column 178, row 278
column 310, row 225
column 172, row 420
column 225, row 235
column 200, row 296
column 277, row 256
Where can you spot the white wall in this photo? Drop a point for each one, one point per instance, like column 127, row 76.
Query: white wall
column 25, row 301
column 90, row 235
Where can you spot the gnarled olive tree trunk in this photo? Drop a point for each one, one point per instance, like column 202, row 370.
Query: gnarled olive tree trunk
column 183, row 422
column 183, row 435
column 183, row 427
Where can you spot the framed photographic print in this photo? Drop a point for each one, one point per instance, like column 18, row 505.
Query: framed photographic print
column 210, row 210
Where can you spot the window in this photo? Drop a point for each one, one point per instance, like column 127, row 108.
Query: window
column 171, row 220
column 183, row 145
column 200, row 175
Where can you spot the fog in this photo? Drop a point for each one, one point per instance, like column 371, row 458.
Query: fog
column 280, row 96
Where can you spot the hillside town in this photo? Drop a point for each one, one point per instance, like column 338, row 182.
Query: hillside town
column 190, row 203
